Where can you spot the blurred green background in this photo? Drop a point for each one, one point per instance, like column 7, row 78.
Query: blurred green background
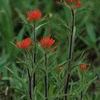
column 12, row 26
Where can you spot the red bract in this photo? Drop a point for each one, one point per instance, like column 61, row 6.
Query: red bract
column 76, row 3
column 70, row 0
column 84, row 67
column 47, row 42
column 34, row 15
column 24, row 44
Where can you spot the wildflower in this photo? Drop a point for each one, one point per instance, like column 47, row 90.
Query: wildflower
column 76, row 3
column 70, row 0
column 34, row 15
column 24, row 44
column 84, row 67
column 47, row 42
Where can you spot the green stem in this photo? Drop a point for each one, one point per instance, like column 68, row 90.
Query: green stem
column 34, row 55
column 34, row 44
column 93, row 91
column 70, row 56
column 30, row 84
column 46, row 78
column 81, row 96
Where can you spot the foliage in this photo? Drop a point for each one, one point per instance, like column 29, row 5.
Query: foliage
column 55, row 22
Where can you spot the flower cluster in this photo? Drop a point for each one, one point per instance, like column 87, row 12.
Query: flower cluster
column 34, row 15
column 24, row 44
column 76, row 3
column 47, row 42
column 83, row 67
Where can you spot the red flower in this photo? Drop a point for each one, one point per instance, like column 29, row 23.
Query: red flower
column 24, row 44
column 70, row 1
column 47, row 42
column 84, row 67
column 34, row 15
column 76, row 3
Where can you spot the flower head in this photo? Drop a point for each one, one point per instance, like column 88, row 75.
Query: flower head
column 34, row 15
column 70, row 1
column 47, row 42
column 83, row 67
column 76, row 3
column 24, row 44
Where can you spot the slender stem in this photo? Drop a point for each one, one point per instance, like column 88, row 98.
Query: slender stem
column 30, row 84
column 66, row 85
column 34, row 44
column 70, row 56
column 34, row 81
column 81, row 96
column 46, row 78
column 93, row 91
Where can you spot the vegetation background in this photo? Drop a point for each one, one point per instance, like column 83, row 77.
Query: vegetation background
column 12, row 26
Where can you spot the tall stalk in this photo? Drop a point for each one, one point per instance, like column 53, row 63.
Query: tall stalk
column 93, row 91
column 30, row 79
column 46, row 77
column 34, row 55
column 81, row 96
column 31, row 75
column 70, row 52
